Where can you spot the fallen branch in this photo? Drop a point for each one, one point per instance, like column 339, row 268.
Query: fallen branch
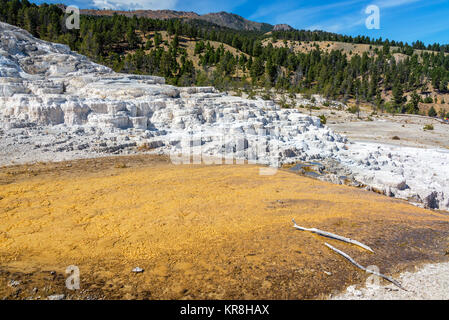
column 333, row 236
column 397, row 284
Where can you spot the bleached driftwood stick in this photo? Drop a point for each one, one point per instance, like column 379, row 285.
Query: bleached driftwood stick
column 397, row 284
column 333, row 236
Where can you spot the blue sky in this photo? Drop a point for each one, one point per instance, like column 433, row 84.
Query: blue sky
column 402, row 20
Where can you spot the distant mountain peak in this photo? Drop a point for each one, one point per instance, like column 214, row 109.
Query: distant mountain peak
column 234, row 21
column 222, row 18
column 282, row 27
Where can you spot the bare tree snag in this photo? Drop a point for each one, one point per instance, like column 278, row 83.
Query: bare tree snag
column 333, row 236
column 397, row 284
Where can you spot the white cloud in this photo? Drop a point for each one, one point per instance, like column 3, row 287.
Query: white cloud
column 332, row 16
column 346, row 23
column 395, row 3
column 135, row 4
column 306, row 14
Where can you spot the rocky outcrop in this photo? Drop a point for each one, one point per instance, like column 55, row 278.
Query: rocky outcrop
column 282, row 27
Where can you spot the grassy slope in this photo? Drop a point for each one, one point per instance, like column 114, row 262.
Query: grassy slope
column 351, row 49
column 305, row 47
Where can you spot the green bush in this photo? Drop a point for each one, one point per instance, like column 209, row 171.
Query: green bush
column 354, row 109
column 428, row 127
column 432, row 112
column 323, row 119
column 428, row 100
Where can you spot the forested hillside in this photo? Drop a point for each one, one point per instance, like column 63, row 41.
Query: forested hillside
column 197, row 52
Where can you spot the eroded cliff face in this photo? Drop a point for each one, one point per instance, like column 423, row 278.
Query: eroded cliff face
column 57, row 105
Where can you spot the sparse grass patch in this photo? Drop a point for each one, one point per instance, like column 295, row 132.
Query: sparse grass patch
column 288, row 165
column 266, row 96
column 353, row 109
column 144, row 147
column 308, row 169
column 428, row 127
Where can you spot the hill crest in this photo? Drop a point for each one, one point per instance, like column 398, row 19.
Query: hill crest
column 224, row 19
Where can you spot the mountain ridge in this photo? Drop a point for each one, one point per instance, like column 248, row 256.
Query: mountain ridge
column 222, row 18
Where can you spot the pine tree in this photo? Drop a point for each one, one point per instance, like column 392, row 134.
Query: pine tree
column 132, row 38
column 379, row 102
column 157, row 39
column 432, row 112
column 414, row 103
column 271, row 71
column 257, row 68
column 398, row 95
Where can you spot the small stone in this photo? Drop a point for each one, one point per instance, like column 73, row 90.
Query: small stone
column 138, row 270
column 13, row 283
column 431, row 201
column 56, row 297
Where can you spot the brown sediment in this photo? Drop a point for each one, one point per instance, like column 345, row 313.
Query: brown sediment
column 199, row 232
